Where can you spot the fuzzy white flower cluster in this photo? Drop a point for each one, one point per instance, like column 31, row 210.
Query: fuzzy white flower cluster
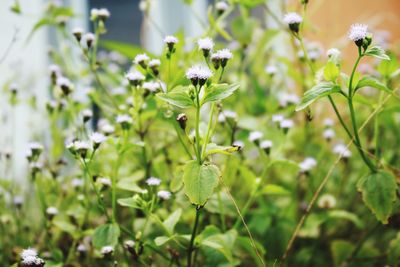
column 163, row 194
column 341, row 149
column 271, row 69
column 198, row 72
column 223, row 54
column 286, row 124
column 52, row 211
column 227, row 114
column 170, row 39
column 307, row 164
column 29, row 257
column 152, row 86
column 327, row 201
column 333, row 52
column 221, row 6
column 102, row 13
column 141, row 58
column 292, row 18
column 205, row 43
column 358, row 32
column 255, row 136
column 97, row 138
column 266, row 144
column 124, row 118
column 107, row 250
column 135, row 76
column 153, row 181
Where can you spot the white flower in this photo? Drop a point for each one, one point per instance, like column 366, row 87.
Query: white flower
column 277, row 118
column 124, row 118
column 206, row 43
column 104, row 181
column 154, row 63
column 18, row 200
column 222, row 54
column 89, row 37
column 52, row 211
column 153, row 181
column 94, row 12
column 107, row 250
column 307, row 164
column 163, row 194
column 77, row 31
column 141, row 58
column 254, row 136
column 238, row 143
column 342, row 150
column 76, row 182
column 135, row 76
column 198, row 72
column 292, row 18
column 227, row 114
column 328, row 134
column 98, row 138
column 88, row 113
column 64, row 82
column 35, row 146
column 55, row 69
column 29, row 252
column 151, row 86
column 129, row 243
column 286, row 124
column 333, row 52
column 103, row 13
column 266, row 144
column 81, row 248
column 327, row 201
column 32, row 261
column 271, row 69
column 81, row 145
column 328, row 122
column 358, row 32
column 170, row 39
column 221, row 6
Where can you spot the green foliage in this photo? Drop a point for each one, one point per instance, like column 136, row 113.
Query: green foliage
column 379, row 193
column 377, row 52
column 318, row 91
column 106, row 235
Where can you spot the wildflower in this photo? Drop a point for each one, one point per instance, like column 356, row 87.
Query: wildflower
column 65, row 85
column 266, row 145
column 227, row 115
column 55, row 72
column 164, row 195
column 271, row 70
column 329, row 134
column 153, row 181
column 307, row 164
column 328, row 122
column 35, row 167
column 29, row 252
column 154, row 64
column 78, row 32
column 357, row 33
column 87, row 114
column 181, row 119
column 89, row 39
column 341, row 149
column 277, row 118
column 130, row 246
column 198, row 74
column 29, row 258
column 82, row 250
column 103, row 14
column 125, row 121
column 221, row 7
column 76, row 182
column 35, row 148
column 239, row 144
column 221, row 57
column 206, row 45
column 18, row 201
column 97, row 139
column 141, row 60
column 107, row 251
column 327, row 201
column 293, row 20
column 333, row 53
column 151, row 87
column 171, row 41
column 286, row 125
column 105, row 182
column 81, row 147
column 94, row 13
column 106, row 127
column 255, row 137
column 51, row 212
column 135, row 78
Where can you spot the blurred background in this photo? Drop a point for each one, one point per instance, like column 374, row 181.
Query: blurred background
column 24, row 63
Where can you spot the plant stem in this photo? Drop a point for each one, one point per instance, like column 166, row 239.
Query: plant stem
column 190, row 249
column 208, row 131
column 198, row 149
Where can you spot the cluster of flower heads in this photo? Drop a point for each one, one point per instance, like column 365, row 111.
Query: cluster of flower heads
column 256, row 138
column 81, row 147
column 154, row 182
column 29, row 258
column 307, row 164
column 293, row 20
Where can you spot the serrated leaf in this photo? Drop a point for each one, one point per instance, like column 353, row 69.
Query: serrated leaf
column 200, row 181
column 106, row 235
column 371, row 82
column 318, row 91
column 378, row 52
column 178, row 97
column 379, row 193
column 331, row 71
column 217, row 92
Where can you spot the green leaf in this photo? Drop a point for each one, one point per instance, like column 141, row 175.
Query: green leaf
column 331, row 71
column 106, row 235
column 129, row 184
column 394, row 252
column 200, row 181
column 372, row 82
column 215, row 149
column 217, row 92
column 341, row 250
column 178, row 97
column 378, row 52
column 273, row 189
column 132, row 202
column 378, row 193
column 318, row 91
column 125, row 49
column 172, row 220
column 342, row 214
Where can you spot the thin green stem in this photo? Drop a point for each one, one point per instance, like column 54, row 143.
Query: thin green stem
column 198, row 149
column 190, row 249
column 209, row 129
column 340, row 117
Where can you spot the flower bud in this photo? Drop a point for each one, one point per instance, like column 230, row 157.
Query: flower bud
column 181, row 119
